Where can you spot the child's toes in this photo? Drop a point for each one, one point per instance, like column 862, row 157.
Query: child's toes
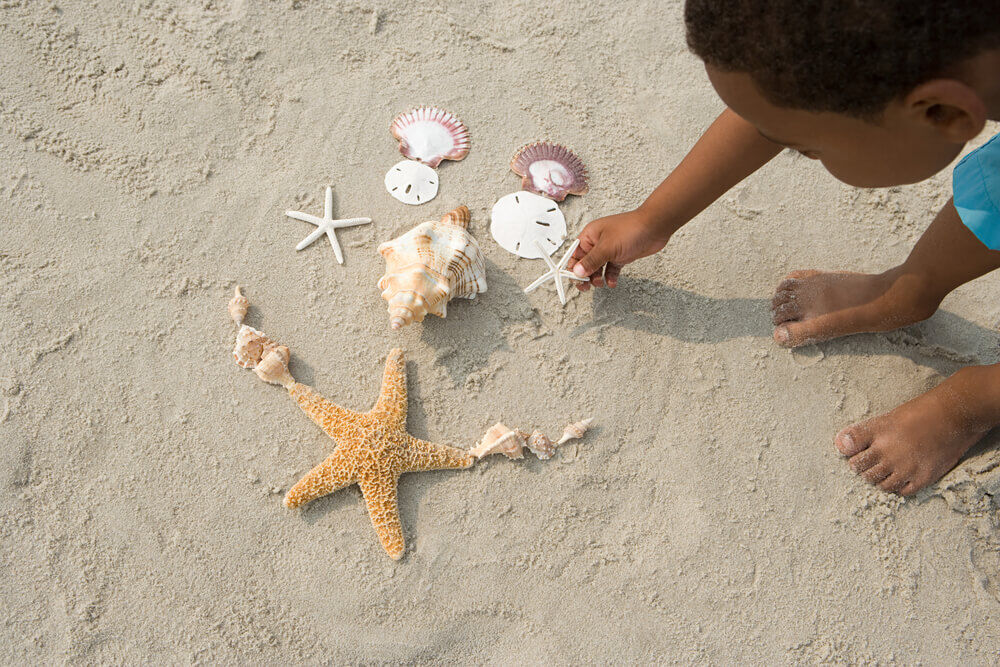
column 786, row 312
column 811, row 330
column 862, row 461
column 894, row 483
column 853, row 439
column 877, row 473
column 781, row 297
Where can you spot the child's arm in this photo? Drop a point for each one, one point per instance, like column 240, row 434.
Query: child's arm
column 729, row 151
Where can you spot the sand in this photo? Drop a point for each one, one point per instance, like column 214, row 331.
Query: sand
column 147, row 154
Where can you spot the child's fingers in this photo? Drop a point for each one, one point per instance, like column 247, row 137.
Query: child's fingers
column 611, row 273
column 592, row 262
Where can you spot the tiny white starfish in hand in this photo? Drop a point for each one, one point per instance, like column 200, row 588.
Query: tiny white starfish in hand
column 326, row 225
column 556, row 272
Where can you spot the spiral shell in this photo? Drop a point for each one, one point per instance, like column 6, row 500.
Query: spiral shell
column 500, row 440
column 238, row 307
column 251, row 346
column 575, row 430
column 273, row 367
column 428, row 266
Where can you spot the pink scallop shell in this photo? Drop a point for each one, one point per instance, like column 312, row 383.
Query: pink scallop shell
column 550, row 170
column 430, row 135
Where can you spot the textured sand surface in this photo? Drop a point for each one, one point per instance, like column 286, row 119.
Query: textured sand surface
column 147, row 153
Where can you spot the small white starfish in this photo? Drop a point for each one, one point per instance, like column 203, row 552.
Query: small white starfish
column 326, row 225
column 556, row 272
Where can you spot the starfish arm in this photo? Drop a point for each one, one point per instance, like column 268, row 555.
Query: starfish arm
column 423, row 455
column 307, row 241
column 569, row 275
column 560, row 289
column 392, row 398
column 305, row 217
column 338, row 422
column 380, row 497
column 353, row 222
column 336, row 246
column 328, row 203
column 334, row 473
column 545, row 256
column 538, row 283
column 569, row 253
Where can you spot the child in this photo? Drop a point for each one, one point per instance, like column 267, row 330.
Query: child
column 882, row 92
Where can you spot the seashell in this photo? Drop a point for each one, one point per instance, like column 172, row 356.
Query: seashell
column 540, row 445
column 428, row 266
column 500, row 440
column 238, row 307
column 575, row 430
column 412, row 182
column 430, row 135
column 550, row 169
column 522, row 219
column 251, row 346
column 273, row 367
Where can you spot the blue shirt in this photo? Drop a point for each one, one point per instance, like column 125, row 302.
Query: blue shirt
column 975, row 184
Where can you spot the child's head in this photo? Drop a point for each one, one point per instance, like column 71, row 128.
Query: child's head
column 883, row 92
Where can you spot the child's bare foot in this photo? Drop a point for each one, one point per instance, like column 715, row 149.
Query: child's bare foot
column 811, row 306
column 917, row 443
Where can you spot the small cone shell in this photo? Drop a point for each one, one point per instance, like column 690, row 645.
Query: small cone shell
column 575, row 430
column 500, row 440
column 428, row 266
column 273, row 367
column 238, row 307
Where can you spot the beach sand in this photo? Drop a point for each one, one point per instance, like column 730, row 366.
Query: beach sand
column 147, row 156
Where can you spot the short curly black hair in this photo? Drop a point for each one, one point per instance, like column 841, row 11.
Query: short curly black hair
column 847, row 56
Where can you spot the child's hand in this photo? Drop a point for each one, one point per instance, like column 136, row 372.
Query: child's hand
column 607, row 244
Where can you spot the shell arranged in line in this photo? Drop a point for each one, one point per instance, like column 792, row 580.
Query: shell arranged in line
column 273, row 367
column 521, row 219
column 430, row 135
column 238, row 306
column 251, row 346
column 429, row 265
column 575, row 430
column 412, row 182
column 500, row 440
column 550, row 169
column 540, row 445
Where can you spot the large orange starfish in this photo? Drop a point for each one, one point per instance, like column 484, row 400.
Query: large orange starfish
column 373, row 450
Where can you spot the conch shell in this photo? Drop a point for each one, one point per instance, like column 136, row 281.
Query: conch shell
column 251, row 346
column 500, row 440
column 238, row 307
column 428, row 266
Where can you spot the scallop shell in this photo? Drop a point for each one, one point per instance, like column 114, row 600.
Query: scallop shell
column 430, row 135
column 550, row 169
column 500, row 440
column 575, row 430
column 238, row 306
column 428, row 266
column 521, row 219
column 251, row 346
column 273, row 367
column 411, row 182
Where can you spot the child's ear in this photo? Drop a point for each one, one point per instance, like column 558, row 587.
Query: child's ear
column 951, row 107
